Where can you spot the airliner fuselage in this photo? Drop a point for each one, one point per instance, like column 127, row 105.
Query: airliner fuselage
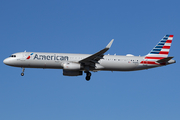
column 75, row 64
column 56, row 60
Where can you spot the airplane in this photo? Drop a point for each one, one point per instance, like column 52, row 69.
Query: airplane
column 76, row 64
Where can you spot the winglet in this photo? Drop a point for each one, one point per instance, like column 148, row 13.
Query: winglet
column 110, row 43
column 97, row 56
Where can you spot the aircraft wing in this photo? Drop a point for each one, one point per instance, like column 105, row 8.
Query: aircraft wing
column 97, row 56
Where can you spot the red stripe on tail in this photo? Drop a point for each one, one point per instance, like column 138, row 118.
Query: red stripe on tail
column 171, row 35
column 155, row 58
column 169, row 41
column 166, row 47
column 163, row 52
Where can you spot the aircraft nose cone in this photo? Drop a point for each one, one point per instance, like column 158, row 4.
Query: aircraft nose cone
column 5, row 61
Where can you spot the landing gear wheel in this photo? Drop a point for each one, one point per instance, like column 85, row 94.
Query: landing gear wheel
column 88, row 76
column 22, row 74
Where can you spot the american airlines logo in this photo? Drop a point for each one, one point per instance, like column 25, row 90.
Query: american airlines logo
column 29, row 56
column 50, row 57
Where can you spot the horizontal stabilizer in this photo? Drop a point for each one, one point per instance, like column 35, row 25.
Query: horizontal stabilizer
column 164, row 60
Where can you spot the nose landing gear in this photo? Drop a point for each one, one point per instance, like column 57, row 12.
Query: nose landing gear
column 22, row 74
column 88, row 75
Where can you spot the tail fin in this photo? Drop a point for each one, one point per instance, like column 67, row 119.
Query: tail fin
column 161, row 50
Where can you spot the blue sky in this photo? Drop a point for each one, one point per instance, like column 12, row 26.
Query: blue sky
column 86, row 26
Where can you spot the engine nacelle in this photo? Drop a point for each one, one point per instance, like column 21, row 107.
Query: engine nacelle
column 71, row 66
column 72, row 73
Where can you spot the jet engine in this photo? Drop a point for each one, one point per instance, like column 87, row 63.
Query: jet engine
column 71, row 66
column 72, row 69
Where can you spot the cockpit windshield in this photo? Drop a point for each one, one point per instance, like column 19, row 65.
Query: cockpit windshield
column 12, row 56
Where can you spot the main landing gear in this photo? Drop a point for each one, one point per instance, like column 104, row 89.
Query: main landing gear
column 88, row 75
column 22, row 74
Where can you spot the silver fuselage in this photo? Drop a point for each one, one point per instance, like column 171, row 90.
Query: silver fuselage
column 56, row 61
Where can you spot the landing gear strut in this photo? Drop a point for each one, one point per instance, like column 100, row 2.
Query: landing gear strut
column 88, row 75
column 22, row 74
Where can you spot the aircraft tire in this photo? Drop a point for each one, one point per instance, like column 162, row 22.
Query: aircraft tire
column 22, row 74
column 88, row 78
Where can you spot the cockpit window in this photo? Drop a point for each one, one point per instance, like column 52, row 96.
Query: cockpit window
column 13, row 56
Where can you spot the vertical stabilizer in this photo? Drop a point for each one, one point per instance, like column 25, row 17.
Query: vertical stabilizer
column 161, row 50
column 159, row 54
